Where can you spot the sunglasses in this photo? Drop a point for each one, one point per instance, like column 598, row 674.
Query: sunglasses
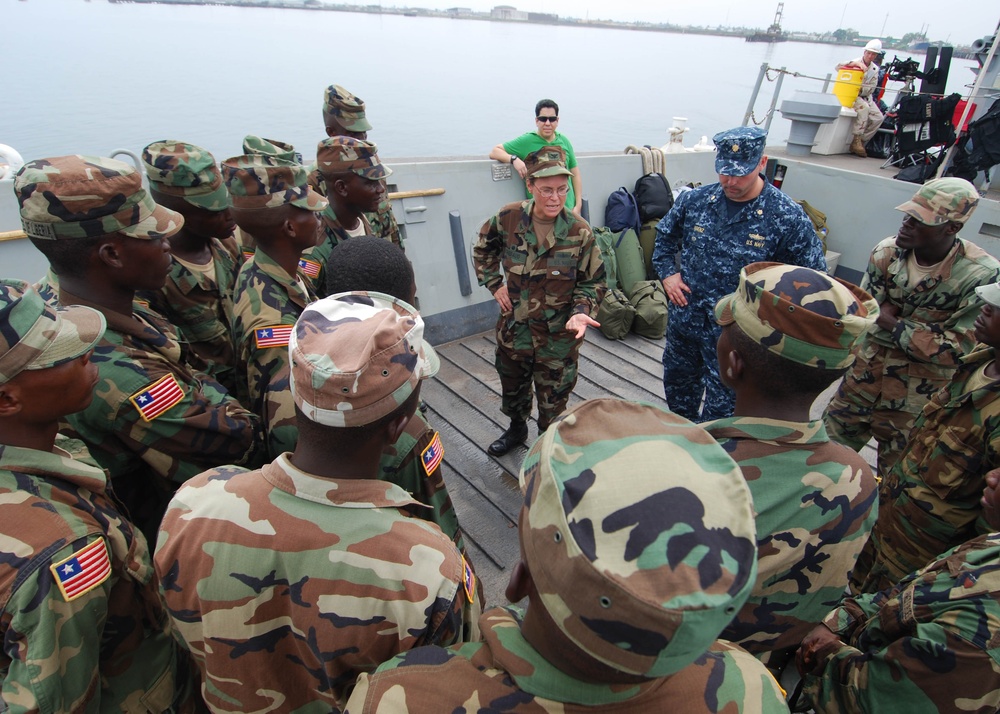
column 547, row 119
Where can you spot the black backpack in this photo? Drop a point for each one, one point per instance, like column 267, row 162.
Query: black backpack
column 653, row 194
column 622, row 212
column 985, row 136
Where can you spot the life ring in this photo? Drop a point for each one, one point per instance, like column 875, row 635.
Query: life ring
column 10, row 162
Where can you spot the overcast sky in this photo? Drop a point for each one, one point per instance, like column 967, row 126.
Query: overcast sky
column 960, row 23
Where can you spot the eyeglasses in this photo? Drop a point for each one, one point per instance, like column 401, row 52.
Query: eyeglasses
column 547, row 119
column 561, row 192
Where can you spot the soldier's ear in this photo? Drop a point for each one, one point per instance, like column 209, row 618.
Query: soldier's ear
column 733, row 366
column 396, row 427
column 519, row 585
column 109, row 252
column 10, row 400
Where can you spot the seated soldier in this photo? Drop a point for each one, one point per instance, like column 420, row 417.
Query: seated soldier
column 272, row 202
column 414, row 461
column 287, row 582
column 155, row 421
column 82, row 627
column 354, row 181
column 637, row 545
column 198, row 295
column 927, row 644
column 787, row 335
column 929, row 502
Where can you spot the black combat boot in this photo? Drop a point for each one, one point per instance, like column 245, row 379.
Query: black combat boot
column 516, row 434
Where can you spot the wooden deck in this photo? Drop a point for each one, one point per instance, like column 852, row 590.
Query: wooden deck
column 463, row 403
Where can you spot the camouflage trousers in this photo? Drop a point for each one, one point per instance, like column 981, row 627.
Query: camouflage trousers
column 691, row 368
column 553, row 379
column 383, row 222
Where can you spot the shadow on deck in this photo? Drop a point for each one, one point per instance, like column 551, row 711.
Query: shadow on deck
column 464, row 405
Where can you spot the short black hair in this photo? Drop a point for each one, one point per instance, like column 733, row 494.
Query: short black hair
column 782, row 375
column 546, row 104
column 69, row 257
column 369, row 263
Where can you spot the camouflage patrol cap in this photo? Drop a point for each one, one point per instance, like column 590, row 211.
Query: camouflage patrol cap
column 88, row 196
column 256, row 181
column 547, row 161
column 253, row 144
column 34, row 335
column 356, row 357
column 638, row 531
column 989, row 294
column 739, row 150
column 800, row 314
column 175, row 168
column 340, row 154
column 942, row 200
column 347, row 109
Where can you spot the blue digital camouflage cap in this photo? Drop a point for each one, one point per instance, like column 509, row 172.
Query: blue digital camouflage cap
column 739, row 150
column 638, row 531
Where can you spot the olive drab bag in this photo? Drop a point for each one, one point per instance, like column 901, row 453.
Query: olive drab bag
column 615, row 312
column 650, row 303
column 630, row 259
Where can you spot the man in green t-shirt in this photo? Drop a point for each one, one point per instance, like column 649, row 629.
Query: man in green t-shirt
column 515, row 151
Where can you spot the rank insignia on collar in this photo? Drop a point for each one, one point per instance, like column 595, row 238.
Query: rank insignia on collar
column 158, row 397
column 273, row 336
column 469, row 580
column 83, row 571
column 432, row 456
column 309, row 268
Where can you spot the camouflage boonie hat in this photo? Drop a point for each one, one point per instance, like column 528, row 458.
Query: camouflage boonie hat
column 638, row 531
column 253, row 144
column 942, row 200
column 340, row 154
column 800, row 314
column 185, row 170
column 739, row 150
column 356, row 357
column 88, row 196
column 347, row 109
column 547, row 161
column 34, row 335
column 256, row 181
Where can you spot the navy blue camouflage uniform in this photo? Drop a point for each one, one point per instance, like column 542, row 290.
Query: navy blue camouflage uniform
column 713, row 248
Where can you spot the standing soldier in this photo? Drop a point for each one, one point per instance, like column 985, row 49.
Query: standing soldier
column 551, row 285
column 715, row 230
column 344, row 115
column 924, row 279
column 155, row 420
column 205, row 258
column 82, row 626
column 272, row 202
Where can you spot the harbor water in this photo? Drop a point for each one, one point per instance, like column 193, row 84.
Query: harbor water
column 90, row 77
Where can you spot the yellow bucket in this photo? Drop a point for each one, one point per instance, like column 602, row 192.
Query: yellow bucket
column 848, row 85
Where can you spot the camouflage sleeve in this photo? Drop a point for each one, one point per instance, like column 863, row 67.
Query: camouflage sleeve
column 270, row 396
column 457, row 621
column 590, row 283
column 486, row 254
column 669, row 238
column 53, row 645
column 874, row 279
column 940, row 343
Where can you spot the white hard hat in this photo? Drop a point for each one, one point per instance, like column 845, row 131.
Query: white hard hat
column 874, row 45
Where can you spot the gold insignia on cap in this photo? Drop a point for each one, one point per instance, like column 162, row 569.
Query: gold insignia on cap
column 736, row 147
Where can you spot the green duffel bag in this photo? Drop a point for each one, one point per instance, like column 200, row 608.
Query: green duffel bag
column 647, row 240
column 631, row 264
column 650, row 302
column 615, row 314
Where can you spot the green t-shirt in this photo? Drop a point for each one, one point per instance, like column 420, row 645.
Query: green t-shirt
column 532, row 141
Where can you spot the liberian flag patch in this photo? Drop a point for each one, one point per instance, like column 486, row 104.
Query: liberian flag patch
column 469, row 580
column 273, row 336
column 431, row 456
column 158, row 397
column 83, row 571
column 309, row 267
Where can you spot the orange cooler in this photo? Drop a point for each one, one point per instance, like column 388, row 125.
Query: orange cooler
column 848, row 85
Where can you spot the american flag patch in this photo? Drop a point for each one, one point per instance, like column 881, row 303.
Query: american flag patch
column 431, row 456
column 309, row 268
column 158, row 397
column 273, row 336
column 83, row 571
column 469, row 578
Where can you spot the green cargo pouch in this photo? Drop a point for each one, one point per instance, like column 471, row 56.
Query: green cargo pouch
column 615, row 314
column 650, row 302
